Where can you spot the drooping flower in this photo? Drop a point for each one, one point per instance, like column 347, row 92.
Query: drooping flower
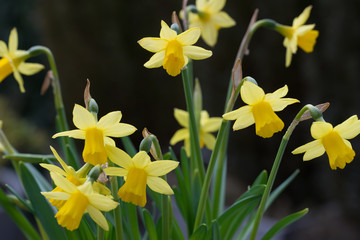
column 138, row 172
column 71, row 175
column 260, row 110
column 210, row 19
column 207, row 126
column 96, row 134
column 13, row 61
column 333, row 141
column 298, row 35
column 172, row 51
column 78, row 200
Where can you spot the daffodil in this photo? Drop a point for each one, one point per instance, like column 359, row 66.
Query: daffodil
column 96, row 133
column 13, row 61
column 207, row 125
column 71, row 175
column 210, row 19
column 298, row 35
column 79, row 200
column 333, row 141
column 172, row 51
column 260, row 110
column 138, row 172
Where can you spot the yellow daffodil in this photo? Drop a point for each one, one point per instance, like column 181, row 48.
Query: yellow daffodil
column 210, row 19
column 298, row 35
column 172, row 51
column 71, row 175
column 13, row 61
column 79, row 199
column 96, row 134
column 207, row 125
column 260, row 110
column 333, row 141
column 138, row 172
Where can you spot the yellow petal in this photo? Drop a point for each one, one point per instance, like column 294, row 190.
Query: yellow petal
column 153, row 44
column 180, row 135
column 98, row 217
column 212, row 125
column 288, row 56
column 304, row 29
column 281, row 92
column 215, row 5
column 251, row 93
column 53, row 168
column 109, row 141
column 13, row 41
column 109, row 119
column 209, row 33
column 200, row 4
column 166, row 32
column 161, row 167
column 182, row 117
column 141, row 159
column 312, row 150
column 78, row 134
column 189, row 37
column 101, row 202
column 159, row 185
column 82, row 118
column 350, row 128
column 223, row 20
column 302, row 18
column 56, row 195
column 119, row 130
column 237, row 113
column 19, row 79
column 196, row 53
column 208, row 139
column 116, row 171
column 320, row 129
column 30, row 68
column 156, row 60
column 118, row 156
column 58, row 158
column 63, row 183
column 3, row 49
column 244, row 121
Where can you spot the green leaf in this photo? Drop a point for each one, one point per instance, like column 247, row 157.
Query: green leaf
column 214, row 231
column 261, row 178
column 27, row 206
column 274, row 194
column 30, row 158
column 241, row 208
column 200, row 233
column 42, row 209
column 284, row 223
column 129, row 146
column 149, row 225
column 23, row 224
column 38, row 178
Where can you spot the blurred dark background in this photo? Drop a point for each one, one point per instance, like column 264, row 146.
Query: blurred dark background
column 97, row 40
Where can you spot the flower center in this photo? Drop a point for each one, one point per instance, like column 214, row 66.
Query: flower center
column 174, row 58
column 339, row 153
column 94, row 150
column 134, row 189
column 69, row 215
column 266, row 121
column 5, row 68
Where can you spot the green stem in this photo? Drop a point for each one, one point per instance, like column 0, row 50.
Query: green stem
column 119, row 232
column 59, row 105
column 10, row 150
column 196, row 156
column 100, row 233
column 274, row 170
